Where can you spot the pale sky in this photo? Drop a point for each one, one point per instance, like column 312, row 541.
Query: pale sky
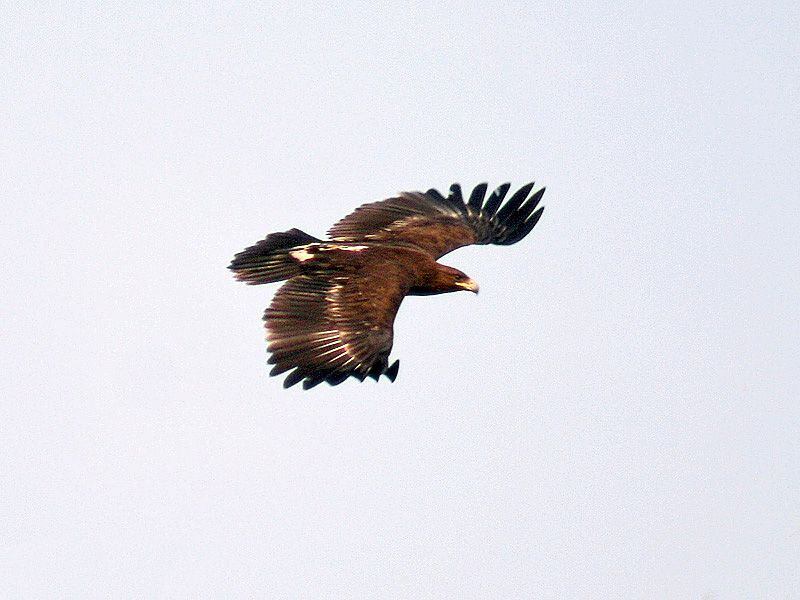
column 616, row 415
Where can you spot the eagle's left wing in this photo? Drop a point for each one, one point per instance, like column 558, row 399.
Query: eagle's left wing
column 439, row 225
column 331, row 325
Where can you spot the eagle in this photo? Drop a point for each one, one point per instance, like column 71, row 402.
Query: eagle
column 334, row 317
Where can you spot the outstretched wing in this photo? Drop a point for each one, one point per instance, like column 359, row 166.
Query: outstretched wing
column 328, row 327
column 439, row 225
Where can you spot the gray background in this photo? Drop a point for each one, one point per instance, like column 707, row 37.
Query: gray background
column 616, row 415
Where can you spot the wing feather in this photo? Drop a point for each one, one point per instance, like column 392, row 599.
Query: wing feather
column 494, row 201
column 476, row 198
column 438, row 224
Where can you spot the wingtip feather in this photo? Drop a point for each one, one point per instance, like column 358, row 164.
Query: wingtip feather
column 495, row 199
column 391, row 372
column 477, row 196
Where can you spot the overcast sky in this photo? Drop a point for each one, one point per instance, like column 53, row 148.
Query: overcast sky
column 616, row 415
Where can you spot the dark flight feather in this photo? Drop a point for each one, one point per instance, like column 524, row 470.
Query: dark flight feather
column 495, row 200
column 476, row 198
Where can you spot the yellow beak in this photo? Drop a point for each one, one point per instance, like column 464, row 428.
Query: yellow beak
column 470, row 285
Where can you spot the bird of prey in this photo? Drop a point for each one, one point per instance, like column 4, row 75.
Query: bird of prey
column 334, row 316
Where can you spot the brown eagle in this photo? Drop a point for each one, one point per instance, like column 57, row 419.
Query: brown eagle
column 334, row 317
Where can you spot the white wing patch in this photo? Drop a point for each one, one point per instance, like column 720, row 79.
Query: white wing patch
column 302, row 254
column 308, row 252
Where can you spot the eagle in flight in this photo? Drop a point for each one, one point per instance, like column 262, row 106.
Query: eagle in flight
column 334, row 317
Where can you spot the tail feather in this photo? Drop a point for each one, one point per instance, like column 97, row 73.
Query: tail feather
column 269, row 260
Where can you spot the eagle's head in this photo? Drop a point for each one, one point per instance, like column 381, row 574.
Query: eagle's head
column 453, row 280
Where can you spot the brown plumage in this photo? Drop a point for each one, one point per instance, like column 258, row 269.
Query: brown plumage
column 334, row 317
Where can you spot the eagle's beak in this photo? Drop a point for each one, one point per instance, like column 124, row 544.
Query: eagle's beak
column 470, row 285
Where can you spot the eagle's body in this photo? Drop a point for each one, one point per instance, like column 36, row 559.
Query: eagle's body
column 334, row 316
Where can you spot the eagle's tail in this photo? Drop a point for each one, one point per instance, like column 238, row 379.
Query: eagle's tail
column 269, row 259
